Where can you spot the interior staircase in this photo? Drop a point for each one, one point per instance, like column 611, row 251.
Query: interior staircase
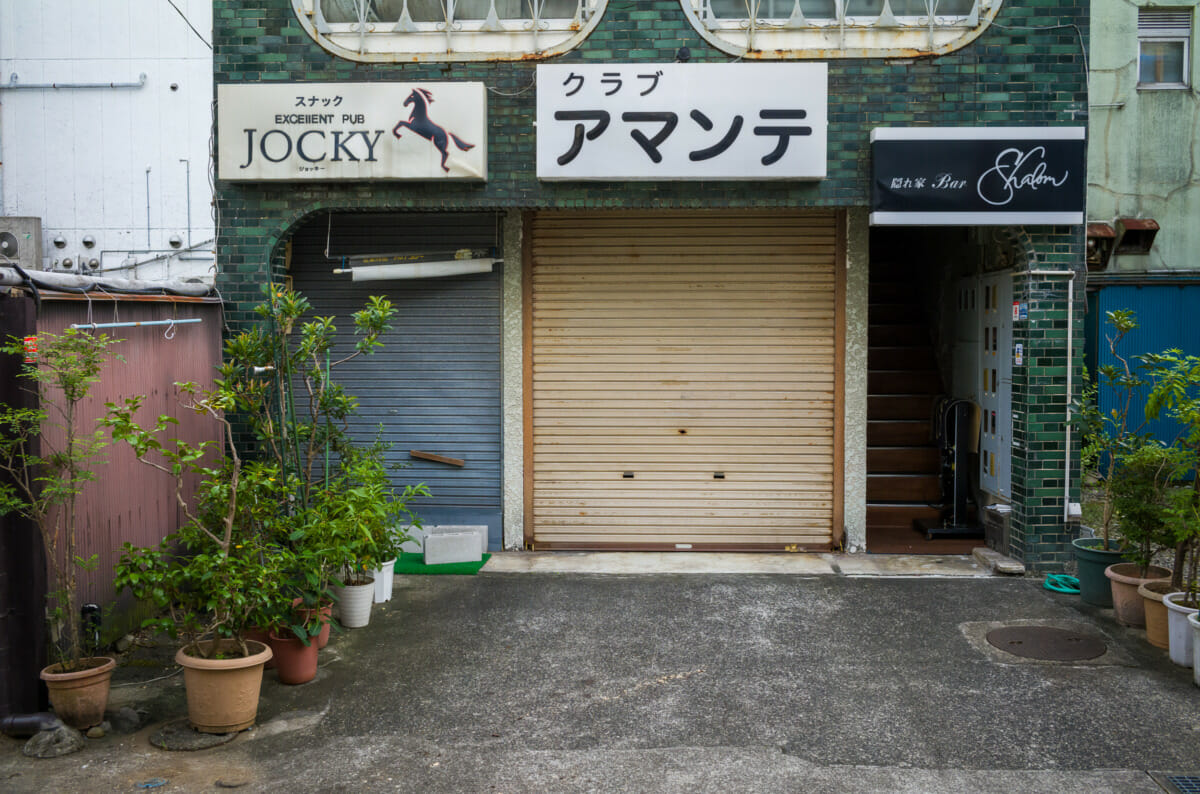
column 903, row 462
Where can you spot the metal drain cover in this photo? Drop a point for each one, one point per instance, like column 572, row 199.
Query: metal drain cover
column 1047, row 643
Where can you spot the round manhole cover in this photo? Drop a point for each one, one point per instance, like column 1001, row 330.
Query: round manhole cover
column 1047, row 643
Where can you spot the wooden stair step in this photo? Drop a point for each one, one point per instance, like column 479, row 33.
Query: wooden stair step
column 898, row 432
column 900, row 406
column 904, row 382
column 895, row 460
column 883, row 514
column 897, row 334
column 891, row 357
column 923, row 488
column 893, row 290
column 888, row 313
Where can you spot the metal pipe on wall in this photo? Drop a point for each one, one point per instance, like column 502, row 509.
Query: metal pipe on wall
column 14, row 83
column 1070, row 274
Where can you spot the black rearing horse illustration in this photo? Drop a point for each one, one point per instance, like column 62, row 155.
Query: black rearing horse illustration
column 420, row 123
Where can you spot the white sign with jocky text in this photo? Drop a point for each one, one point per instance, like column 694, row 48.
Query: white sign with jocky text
column 682, row 121
column 351, row 131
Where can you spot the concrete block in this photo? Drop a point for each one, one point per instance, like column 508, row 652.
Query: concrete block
column 999, row 563
column 417, row 544
column 479, row 529
column 443, row 547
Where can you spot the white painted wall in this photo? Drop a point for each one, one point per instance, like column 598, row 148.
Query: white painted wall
column 80, row 158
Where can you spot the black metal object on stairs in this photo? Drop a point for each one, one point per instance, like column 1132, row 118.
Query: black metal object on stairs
column 952, row 432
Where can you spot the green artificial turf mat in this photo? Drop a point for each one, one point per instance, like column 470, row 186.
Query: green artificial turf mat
column 413, row 563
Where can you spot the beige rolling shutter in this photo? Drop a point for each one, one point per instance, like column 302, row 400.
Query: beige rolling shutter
column 683, row 379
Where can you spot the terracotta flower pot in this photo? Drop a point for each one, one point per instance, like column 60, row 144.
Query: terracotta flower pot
column 1156, row 612
column 305, row 614
column 295, row 662
column 260, row 635
column 222, row 694
column 80, row 697
column 1126, row 578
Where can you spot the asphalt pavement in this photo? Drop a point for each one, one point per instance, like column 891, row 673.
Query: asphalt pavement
column 837, row 677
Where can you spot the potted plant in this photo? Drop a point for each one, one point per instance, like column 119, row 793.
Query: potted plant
column 47, row 457
column 221, row 571
column 293, row 636
column 1139, row 493
column 1183, row 598
column 344, row 508
column 1107, row 439
column 1175, row 390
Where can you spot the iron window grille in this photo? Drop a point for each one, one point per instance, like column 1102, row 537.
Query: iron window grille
column 383, row 30
column 840, row 28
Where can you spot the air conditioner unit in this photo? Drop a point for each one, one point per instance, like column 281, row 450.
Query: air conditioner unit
column 21, row 242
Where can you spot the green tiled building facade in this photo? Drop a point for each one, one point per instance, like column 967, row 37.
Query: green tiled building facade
column 1025, row 69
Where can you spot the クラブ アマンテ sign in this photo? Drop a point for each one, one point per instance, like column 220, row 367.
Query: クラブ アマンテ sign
column 677, row 121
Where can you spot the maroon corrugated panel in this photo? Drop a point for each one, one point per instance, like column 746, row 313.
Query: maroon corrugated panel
column 131, row 501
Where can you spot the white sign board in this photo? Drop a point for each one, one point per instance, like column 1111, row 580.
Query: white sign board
column 351, row 131
column 646, row 121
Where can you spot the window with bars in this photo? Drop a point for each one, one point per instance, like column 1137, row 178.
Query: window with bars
column 381, row 30
column 1164, row 44
column 840, row 28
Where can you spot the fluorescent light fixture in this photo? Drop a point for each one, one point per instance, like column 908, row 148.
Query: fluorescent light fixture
column 411, row 270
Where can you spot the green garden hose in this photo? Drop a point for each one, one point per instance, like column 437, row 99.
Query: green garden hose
column 1061, row 583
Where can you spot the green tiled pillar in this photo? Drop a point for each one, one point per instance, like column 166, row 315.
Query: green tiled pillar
column 1043, row 481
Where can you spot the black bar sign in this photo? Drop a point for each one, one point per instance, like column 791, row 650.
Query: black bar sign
column 978, row 176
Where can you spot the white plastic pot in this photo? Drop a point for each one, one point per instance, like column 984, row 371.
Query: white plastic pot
column 354, row 604
column 1194, row 624
column 383, row 581
column 1178, row 629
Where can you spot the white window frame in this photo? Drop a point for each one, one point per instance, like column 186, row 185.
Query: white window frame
column 841, row 36
column 372, row 40
column 1165, row 25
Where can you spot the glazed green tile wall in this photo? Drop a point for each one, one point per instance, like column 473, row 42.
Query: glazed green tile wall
column 1027, row 69
column 1038, row 534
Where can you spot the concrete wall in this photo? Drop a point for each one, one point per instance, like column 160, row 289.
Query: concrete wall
column 1144, row 145
column 108, row 161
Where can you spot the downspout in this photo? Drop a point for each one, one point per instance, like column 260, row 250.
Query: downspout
column 1070, row 274
column 2, row 208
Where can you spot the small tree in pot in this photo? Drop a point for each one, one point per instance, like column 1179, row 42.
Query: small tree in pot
column 1140, row 489
column 1108, row 436
column 1175, row 392
column 1108, row 439
column 221, row 570
column 214, row 574
column 344, row 510
column 47, row 457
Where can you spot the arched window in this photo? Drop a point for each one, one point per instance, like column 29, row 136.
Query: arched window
column 839, row 28
column 447, row 30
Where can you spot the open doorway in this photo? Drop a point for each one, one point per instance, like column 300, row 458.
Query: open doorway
column 938, row 388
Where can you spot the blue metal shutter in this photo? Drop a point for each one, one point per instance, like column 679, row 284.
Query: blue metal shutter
column 435, row 384
column 1166, row 317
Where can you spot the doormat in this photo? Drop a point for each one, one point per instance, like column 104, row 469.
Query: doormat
column 414, row 563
